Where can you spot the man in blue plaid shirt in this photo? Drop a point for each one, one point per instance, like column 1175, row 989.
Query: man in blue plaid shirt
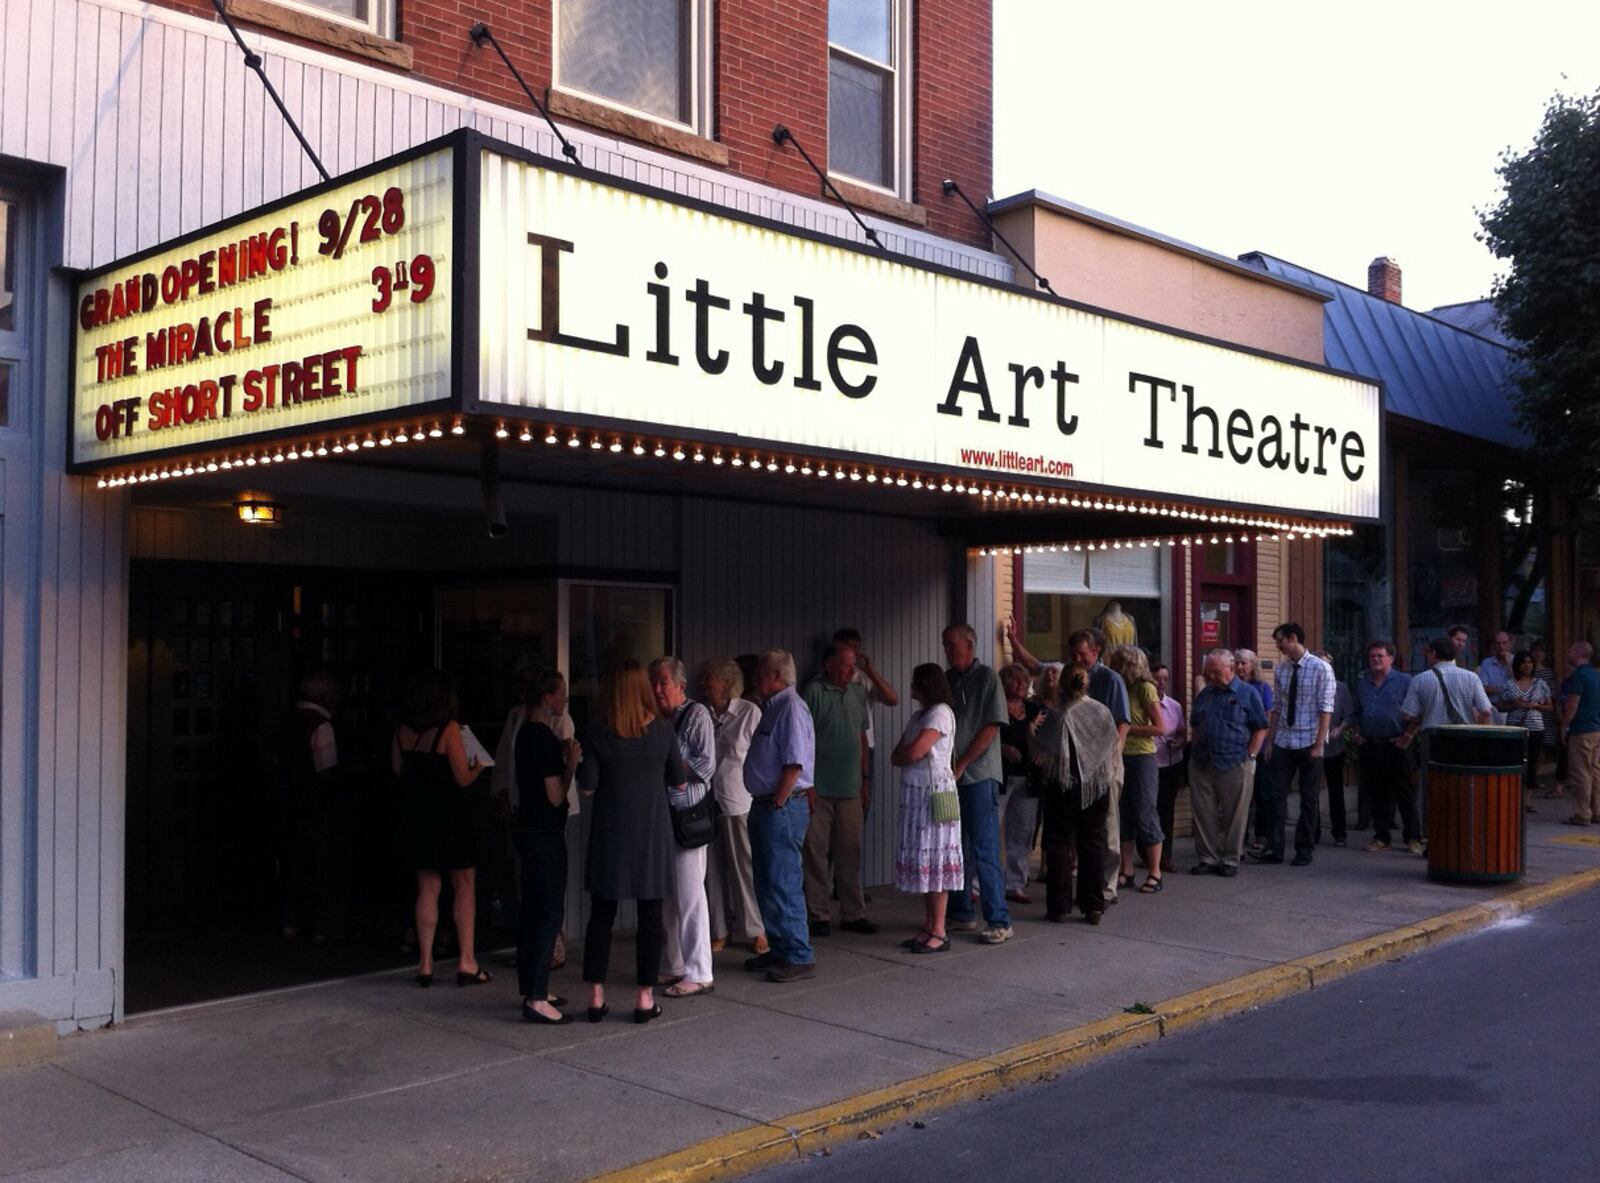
column 1302, row 709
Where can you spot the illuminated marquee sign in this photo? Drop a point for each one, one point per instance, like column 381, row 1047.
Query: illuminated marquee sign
column 466, row 275
column 629, row 307
column 332, row 307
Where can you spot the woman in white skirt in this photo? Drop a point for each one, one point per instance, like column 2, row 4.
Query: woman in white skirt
column 929, row 858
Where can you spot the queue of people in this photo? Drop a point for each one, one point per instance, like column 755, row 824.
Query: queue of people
column 739, row 815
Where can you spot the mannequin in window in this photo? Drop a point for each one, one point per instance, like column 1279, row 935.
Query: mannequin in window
column 1117, row 625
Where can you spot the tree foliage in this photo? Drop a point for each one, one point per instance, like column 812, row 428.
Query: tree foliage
column 1547, row 225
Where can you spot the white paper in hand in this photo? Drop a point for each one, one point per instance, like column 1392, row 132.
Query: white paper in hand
column 475, row 749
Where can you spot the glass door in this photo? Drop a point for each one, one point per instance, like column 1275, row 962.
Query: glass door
column 1218, row 623
column 602, row 624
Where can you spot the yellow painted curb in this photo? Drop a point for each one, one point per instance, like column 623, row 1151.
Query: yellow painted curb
column 1557, row 889
column 1234, row 995
column 724, row 1157
column 1068, row 1049
column 729, row 1155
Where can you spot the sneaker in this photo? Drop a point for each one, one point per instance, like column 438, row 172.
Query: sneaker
column 789, row 971
column 861, row 925
column 962, row 925
column 1414, row 846
column 761, row 961
column 1376, row 845
column 1228, row 870
column 995, row 934
column 1340, row 842
column 1203, row 869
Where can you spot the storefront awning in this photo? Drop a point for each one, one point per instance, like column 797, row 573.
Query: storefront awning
column 468, row 289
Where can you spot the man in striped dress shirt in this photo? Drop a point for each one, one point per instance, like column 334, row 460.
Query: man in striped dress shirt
column 1302, row 709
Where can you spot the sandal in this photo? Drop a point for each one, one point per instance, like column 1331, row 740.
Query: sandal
column 928, row 945
column 476, row 978
column 1152, row 885
column 688, row 989
column 1127, row 880
column 913, row 943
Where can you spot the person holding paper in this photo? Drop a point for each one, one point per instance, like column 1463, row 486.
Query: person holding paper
column 430, row 756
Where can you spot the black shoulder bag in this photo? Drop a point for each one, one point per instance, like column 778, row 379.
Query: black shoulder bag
column 695, row 825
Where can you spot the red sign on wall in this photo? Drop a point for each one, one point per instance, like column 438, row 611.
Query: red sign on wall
column 1210, row 632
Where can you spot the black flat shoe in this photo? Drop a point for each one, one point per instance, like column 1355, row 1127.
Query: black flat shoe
column 529, row 1015
column 476, row 978
column 596, row 1013
column 556, row 1001
column 424, row 980
column 928, row 946
column 644, row 1016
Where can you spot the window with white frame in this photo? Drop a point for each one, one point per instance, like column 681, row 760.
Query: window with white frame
column 376, row 16
column 869, row 92
column 649, row 57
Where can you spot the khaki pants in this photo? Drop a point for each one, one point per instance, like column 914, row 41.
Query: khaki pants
column 1111, row 839
column 1221, row 803
column 1583, row 774
column 836, row 827
column 730, row 882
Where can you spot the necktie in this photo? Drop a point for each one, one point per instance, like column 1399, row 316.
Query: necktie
column 1294, row 693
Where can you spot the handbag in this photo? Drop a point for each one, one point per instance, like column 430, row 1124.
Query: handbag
column 944, row 805
column 696, row 825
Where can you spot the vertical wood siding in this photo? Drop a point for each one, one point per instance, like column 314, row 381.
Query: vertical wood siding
column 160, row 130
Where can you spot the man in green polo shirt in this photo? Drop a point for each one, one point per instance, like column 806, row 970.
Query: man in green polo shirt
column 839, row 708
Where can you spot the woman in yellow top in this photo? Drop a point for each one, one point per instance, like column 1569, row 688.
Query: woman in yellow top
column 1141, row 820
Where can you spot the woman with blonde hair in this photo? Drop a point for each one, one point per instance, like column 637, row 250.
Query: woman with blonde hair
column 630, row 760
column 1140, row 812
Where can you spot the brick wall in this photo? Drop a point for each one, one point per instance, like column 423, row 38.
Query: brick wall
column 770, row 66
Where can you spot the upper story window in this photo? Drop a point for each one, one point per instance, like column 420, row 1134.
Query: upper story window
column 651, row 57
column 375, row 15
column 869, row 92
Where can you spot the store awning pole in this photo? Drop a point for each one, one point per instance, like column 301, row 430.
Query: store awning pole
column 951, row 187
column 253, row 61
column 782, row 135
column 479, row 33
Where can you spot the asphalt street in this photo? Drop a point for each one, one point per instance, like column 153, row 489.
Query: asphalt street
column 1476, row 1060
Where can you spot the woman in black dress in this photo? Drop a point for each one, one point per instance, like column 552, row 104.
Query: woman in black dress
column 430, row 759
column 544, row 771
column 630, row 757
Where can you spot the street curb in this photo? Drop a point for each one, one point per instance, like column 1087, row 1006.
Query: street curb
column 791, row 1139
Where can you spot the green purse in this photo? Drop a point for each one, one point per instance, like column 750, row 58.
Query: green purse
column 944, row 805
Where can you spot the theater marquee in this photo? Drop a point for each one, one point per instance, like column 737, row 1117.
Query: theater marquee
column 467, row 275
column 636, row 308
column 332, row 307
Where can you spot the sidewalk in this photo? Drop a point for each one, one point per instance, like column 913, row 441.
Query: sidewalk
column 371, row 1078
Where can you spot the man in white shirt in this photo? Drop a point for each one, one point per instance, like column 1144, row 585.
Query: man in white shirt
column 318, row 815
column 1446, row 694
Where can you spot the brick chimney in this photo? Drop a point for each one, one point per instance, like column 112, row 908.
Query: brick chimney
column 1383, row 279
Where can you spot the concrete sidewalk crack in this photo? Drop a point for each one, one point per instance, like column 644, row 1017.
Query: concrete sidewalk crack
column 179, row 1122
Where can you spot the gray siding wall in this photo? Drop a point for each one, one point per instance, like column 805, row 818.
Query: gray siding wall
column 158, row 130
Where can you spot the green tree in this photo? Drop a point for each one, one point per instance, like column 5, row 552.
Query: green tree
column 1547, row 225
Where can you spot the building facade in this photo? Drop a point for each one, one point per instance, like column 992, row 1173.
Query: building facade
column 477, row 402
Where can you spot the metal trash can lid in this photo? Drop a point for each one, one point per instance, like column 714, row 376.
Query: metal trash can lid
column 1475, row 745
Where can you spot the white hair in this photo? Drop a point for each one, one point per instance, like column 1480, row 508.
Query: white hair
column 780, row 662
column 673, row 667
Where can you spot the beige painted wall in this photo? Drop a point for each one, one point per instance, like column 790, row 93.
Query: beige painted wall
column 1156, row 282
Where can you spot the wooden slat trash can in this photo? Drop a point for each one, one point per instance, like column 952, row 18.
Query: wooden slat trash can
column 1474, row 803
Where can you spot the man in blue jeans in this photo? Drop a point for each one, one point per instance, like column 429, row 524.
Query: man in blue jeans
column 778, row 772
column 980, row 710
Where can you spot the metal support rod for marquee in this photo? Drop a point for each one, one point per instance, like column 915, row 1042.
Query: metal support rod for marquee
column 252, row 60
column 782, row 135
column 479, row 33
column 951, row 187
